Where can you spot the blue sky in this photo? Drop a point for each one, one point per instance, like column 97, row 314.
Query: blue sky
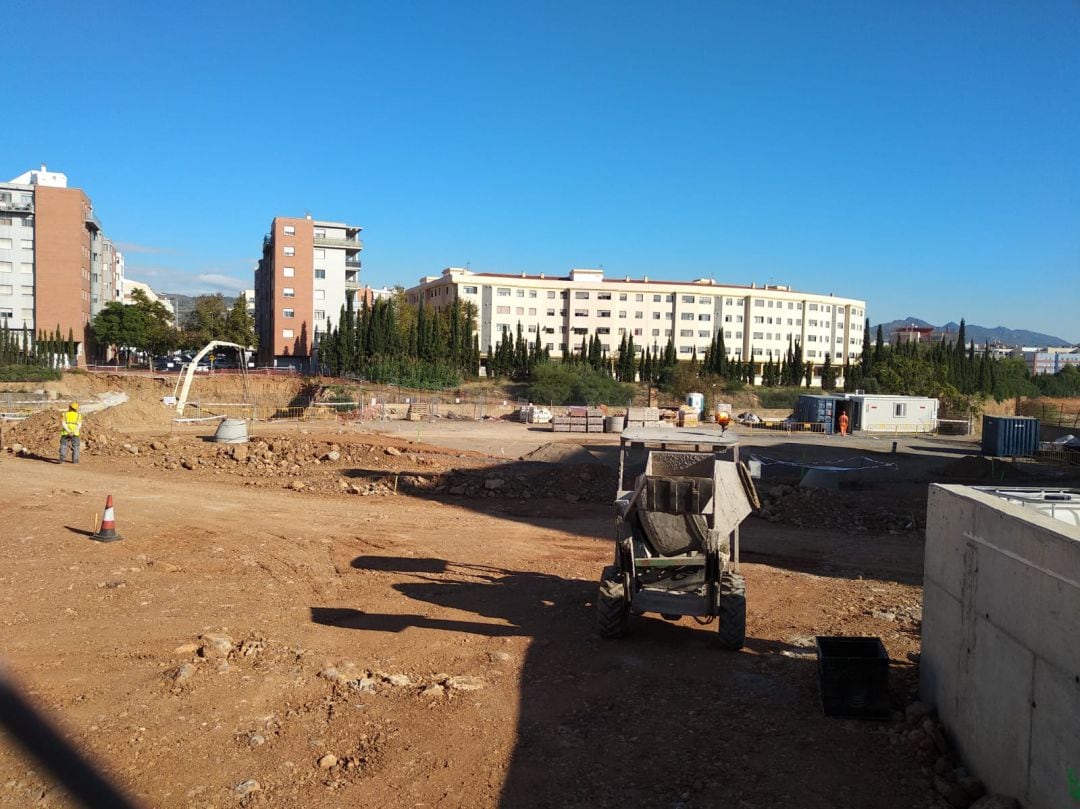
column 924, row 156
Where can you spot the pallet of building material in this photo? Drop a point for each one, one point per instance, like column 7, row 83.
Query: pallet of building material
column 593, row 429
column 578, row 428
column 577, row 410
column 418, row 411
column 595, row 423
column 643, row 415
column 594, row 413
column 560, row 428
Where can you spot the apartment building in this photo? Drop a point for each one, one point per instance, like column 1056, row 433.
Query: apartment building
column 309, row 269
column 169, row 303
column 249, row 301
column 757, row 322
column 56, row 266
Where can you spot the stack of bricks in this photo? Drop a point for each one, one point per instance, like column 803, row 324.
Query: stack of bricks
column 418, row 411
column 643, row 417
column 579, row 420
column 688, row 417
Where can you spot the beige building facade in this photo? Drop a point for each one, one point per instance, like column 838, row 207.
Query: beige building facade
column 757, row 322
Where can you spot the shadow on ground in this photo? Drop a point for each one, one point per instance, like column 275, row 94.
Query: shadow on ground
column 662, row 718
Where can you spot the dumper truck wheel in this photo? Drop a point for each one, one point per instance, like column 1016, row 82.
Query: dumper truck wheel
column 612, row 611
column 732, row 611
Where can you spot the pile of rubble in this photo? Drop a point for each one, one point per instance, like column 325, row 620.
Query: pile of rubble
column 302, row 464
column 822, row 508
column 574, row 483
column 922, row 730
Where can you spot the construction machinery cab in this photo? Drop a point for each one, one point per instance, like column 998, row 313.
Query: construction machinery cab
column 677, row 532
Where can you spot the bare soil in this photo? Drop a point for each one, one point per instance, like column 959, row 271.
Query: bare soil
column 399, row 630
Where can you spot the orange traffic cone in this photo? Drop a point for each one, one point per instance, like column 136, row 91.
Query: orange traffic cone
column 107, row 531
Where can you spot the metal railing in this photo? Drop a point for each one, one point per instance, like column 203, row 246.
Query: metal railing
column 12, row 205
column 331, row 241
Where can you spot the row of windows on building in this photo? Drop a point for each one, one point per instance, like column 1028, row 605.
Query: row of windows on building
column 640, row 297
column 290, row 292
column 9, row 289
column 735, row 353
column 318, row 315
column 7, row 266
column 16, row 221
column 9, row 244
column 290, row 272
column 290, row 230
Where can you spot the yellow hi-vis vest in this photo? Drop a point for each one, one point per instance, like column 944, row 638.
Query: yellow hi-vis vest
column 71, row 424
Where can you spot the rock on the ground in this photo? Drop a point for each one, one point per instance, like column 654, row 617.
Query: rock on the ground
column 245, row 788
column 464, row 682
column 433, row 691
column 494, row 483
column 392, row 451
column 332, row 455
column 917, row 712
column 397, row 680
column 215, row 645
column 954, row 794
column 297, row 485
column 364, row 684
column 327, row 761
column 183, row 673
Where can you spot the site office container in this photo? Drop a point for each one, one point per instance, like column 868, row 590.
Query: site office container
column 1009, row 436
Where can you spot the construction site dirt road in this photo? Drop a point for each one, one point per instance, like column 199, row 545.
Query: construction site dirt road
column 349, row 619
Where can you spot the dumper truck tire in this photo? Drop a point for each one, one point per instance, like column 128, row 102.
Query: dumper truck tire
column 732, row 611
column 612, row 611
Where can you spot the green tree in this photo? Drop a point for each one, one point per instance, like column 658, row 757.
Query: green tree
column 207, row 321
column 240, row 326
column 120, row 327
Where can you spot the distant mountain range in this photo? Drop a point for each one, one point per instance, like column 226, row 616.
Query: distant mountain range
column 980, row 334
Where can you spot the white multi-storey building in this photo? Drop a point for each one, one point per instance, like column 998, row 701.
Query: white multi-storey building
column 757, row 322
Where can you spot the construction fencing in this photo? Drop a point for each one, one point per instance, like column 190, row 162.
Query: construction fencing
column 1051, row 413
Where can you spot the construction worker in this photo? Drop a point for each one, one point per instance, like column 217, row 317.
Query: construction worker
column 70, row 426
column 843, row 422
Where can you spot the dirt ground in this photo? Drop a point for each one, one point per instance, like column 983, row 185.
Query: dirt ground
column 401, row 616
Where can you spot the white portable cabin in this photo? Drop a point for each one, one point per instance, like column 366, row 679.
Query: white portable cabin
column 872, row 413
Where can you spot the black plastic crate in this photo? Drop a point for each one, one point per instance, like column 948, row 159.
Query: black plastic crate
column 854, row 677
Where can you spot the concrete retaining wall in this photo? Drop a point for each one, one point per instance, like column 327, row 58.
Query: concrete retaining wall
column 1001, row 642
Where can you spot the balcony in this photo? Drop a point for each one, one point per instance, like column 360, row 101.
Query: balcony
column 92, row 222
column 352, row 263
column 330, row 241
column 12, row 205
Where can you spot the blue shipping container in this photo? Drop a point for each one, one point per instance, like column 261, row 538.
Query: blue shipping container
column 811, row 409
column 1009, row 436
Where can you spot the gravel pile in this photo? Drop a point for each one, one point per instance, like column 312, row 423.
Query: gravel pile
column 822, row 508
